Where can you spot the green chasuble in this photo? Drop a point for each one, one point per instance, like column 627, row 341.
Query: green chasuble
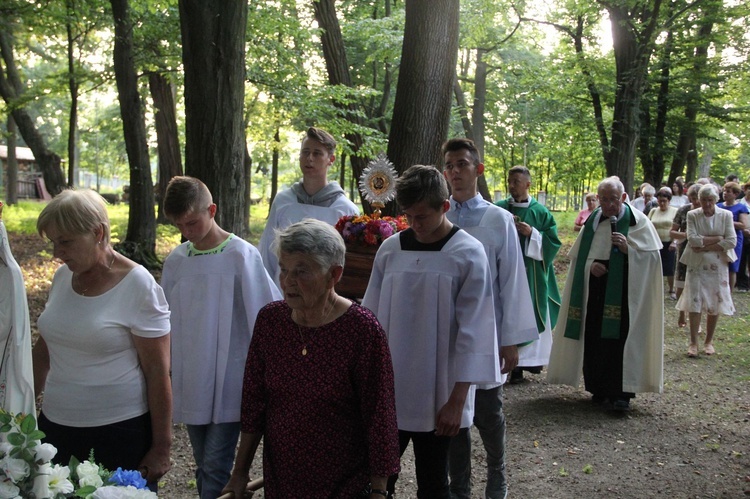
column 540, row 274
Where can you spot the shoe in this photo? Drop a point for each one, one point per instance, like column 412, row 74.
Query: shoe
column 516, row 376
column 672, row 295
column 598, row 399
column 692, row 351
column 534, row 369
column 621, row 405
column 708, row 349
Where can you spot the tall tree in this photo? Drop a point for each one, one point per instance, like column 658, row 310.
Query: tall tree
column 213, row 53
column 140, row 240
column 421, row 113
column 12, row 91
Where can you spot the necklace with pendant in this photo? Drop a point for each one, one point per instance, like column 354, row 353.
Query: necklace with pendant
column 322, row 322
column 78, row 280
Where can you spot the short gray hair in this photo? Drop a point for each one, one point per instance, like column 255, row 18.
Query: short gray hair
column 614, row 182
column 314, row 238
column 75, row 212
column 649, row 189
column 694, row 189
column 708, row 191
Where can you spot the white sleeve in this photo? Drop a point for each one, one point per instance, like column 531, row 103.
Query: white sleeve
column 534, row 245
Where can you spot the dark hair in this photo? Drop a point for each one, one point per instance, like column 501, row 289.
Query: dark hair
column 664, row 192
column 461, row 144
column 323, row 137
column 680, row 187
column 185, row 195
column 421, row 183
column 520, row 170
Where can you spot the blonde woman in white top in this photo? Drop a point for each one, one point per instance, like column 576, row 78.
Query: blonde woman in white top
column 102, row 359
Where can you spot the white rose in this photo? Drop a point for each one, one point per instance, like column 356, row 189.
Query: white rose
column 93, row 480
column 15, row 469
column 129, row 492
column 8, row 490
column 45, row 452
column 5, row 448
column 87, row 468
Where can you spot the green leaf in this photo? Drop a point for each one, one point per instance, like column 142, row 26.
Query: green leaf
column 28, row 424
column 85, row 491
column 36, row 435
column 16, row 439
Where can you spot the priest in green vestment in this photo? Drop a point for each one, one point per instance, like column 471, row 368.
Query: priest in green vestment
column 537, row 231
column 611, row 321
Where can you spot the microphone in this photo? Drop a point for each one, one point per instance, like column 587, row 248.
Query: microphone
column 613, row 225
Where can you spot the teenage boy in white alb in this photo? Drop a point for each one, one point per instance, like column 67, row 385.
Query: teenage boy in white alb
column 431, row 289
column 514, row 313
column 313, row 197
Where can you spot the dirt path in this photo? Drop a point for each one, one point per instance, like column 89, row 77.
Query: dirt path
column 693, row 441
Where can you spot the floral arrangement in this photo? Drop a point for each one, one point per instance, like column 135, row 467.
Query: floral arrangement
column 368, row 231
column 27, row 471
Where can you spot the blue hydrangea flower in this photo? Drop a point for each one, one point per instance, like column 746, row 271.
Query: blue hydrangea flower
column 124, row 478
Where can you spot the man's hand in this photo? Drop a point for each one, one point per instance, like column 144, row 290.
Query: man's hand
column 523, row 228
column 509, row 356
column 448, row 420
column 598, row 269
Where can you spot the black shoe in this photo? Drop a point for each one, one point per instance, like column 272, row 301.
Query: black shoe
column 534, row 369
column 598, row 399
column 516, row 376
column 621, row 405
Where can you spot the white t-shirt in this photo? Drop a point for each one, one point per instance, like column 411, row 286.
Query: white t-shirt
column 95, row 376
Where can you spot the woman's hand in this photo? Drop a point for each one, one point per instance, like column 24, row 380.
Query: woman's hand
column 236, row 485
column 155, row 464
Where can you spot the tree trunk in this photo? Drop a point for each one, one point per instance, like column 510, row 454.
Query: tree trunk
column 632, row 52
column 140, row 241
column 334, row 53
column 686, row 145
column 11, row 91
column 213, row 53
column 11, row 189
column 275, row 166
column 422, row 109
column 167, row 137
column 73, row 117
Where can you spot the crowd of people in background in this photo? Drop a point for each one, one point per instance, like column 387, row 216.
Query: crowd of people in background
column 255, row 345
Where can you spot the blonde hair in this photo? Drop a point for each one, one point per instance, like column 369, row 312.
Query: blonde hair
column 75, row 212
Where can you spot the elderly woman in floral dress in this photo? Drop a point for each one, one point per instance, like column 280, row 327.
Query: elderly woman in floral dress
column 679, row 235
column 711, row 241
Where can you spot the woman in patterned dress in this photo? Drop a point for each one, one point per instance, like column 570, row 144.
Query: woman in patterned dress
column 711, row 240
column 318, row 385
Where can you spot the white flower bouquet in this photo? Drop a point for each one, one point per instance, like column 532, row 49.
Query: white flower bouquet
column 27, row 471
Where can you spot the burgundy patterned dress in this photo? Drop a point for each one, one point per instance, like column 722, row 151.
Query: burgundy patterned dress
column 328, row 418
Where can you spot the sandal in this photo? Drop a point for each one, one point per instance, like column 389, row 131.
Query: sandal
column 692, row 351
column 708, row 348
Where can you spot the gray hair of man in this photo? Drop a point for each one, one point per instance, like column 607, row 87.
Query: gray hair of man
column 708, row 191
column 649, row 189
column 319, row 240
column 613, row 182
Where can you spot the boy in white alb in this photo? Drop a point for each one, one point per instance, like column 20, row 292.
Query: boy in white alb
column 313, row 197
column 215, row 284
column 514, row 313
column 431, row 289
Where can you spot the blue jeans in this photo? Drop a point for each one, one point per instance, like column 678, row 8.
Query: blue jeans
column 214, row 445
column 490, row 421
